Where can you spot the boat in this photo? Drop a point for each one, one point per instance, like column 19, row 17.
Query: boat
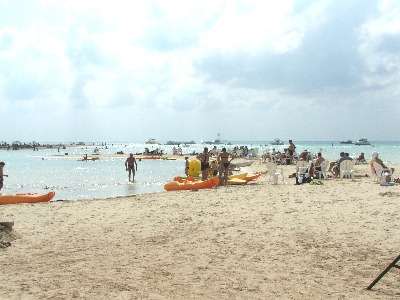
column 276, row 141
column 252, row 177
column 180, row 143
column 190, row 184
column 88, row 158
column 214, row 142
column 236, row 181
column 26, row 198
column 238, row 176
column 346, row 142
column 148, row 157
column 153, row 142
column 362, row 141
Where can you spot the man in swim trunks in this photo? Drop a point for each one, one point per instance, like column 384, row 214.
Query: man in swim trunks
column 291, row 149
column 130, row 165
column 2, row 164
column 186, row 166
column 224, row 162
column 204, row 163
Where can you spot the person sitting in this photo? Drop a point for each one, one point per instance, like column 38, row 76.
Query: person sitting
column 214, row 151
column 317, row 165
column 305, row 156
column 266, row 157
column 374, row 158
column 361, row 159
column 336, row 169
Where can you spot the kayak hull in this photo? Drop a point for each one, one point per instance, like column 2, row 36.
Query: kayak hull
column 26, row 198
column 250, row 178
column 181, row 184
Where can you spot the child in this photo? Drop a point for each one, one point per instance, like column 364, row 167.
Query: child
column 214, row 168
column 2, row 164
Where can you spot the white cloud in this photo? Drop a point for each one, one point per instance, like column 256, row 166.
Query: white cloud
column 167, row 64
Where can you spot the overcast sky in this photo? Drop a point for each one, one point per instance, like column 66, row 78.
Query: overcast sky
column 128, row 71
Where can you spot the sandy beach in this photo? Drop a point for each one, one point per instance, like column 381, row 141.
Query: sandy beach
column 256, row 241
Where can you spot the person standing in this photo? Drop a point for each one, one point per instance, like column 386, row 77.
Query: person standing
column 204, row 163
column 131, row 165
column 291, row 149
column 2, row 164
column 224, row 162
column 186, row 166
column 214, row 168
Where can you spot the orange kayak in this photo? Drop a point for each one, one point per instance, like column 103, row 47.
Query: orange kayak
column 190, row 184
column 26, row 198
column 249, row 178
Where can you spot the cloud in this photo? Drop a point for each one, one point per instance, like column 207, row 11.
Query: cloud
column 248, row 63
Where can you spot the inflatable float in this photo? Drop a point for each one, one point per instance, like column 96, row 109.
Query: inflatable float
column 26, row 198
column 194, row 168
column 190, row 184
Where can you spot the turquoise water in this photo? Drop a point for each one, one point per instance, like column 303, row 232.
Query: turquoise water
column 35, row 172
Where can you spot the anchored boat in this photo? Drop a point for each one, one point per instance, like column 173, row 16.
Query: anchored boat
column 362, row 141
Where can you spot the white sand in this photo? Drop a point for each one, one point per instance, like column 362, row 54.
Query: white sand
column 258, row 241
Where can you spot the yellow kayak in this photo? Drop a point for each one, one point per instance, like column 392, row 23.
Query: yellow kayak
column 238, row 176
column 235, row 181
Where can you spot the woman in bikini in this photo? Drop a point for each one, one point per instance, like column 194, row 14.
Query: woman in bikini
column 224, row 162
column 204, row 163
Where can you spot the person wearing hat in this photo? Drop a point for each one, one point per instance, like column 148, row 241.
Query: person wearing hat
column 375, row 158
column 2, row 164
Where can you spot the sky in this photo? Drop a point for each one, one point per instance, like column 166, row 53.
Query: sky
column 128, row 71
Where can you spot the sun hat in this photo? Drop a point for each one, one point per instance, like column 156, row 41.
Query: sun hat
column 374, row 155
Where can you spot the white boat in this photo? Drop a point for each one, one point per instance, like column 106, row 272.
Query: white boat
column 362, row 141
column 153, row 142
column 214, row 142
column 276, row 141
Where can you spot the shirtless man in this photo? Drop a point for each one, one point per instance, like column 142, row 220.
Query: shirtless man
column 187, row 166
column 317, row 165
column 224, row 162
column 2, row 164
column 292, row 149
column 204, row 163
column 130, row 165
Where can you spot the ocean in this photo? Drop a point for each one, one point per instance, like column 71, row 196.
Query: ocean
column 36, row 172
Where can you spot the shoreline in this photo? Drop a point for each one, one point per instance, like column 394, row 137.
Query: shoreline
column 256, row 241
